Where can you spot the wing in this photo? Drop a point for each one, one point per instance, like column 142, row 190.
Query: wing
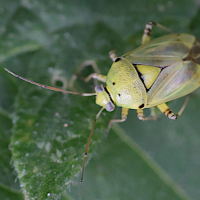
column 173, row 82
column 163, row 51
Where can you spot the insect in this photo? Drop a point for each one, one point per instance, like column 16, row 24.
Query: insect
column 157, row 72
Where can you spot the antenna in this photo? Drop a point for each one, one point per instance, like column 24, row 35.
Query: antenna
column 49, row 87
column 86, row 150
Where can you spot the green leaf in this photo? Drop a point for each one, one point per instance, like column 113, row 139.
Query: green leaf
column 9, row 184
column 46, row 41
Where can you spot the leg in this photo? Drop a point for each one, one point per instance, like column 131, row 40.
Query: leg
column 95, row 75
column 112, row 56
column 141, row 116
column 147, row 31
column 124, row 117
column 165, row 109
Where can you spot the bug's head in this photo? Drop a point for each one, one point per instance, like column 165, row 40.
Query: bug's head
column 103, row 98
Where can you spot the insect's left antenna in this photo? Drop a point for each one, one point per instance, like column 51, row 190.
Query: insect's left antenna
column 86, row 150
column 48, row 87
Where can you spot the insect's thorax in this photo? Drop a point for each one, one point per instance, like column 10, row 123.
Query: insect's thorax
column 125, row 85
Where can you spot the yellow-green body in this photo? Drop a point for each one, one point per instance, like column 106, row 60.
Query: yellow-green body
column 157, row 72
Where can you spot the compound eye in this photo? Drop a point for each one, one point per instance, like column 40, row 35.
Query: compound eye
column 99, row 88
column 110, row 106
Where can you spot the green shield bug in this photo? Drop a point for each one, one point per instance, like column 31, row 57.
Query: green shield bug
column 157, row 72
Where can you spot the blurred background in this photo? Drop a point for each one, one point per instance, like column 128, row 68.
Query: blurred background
column 44, row 133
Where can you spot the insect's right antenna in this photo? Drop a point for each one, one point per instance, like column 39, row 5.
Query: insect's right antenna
column 48, row 87
column 86, row 151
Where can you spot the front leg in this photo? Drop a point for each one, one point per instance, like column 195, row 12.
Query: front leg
column 96, row 76
column 124, row 117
